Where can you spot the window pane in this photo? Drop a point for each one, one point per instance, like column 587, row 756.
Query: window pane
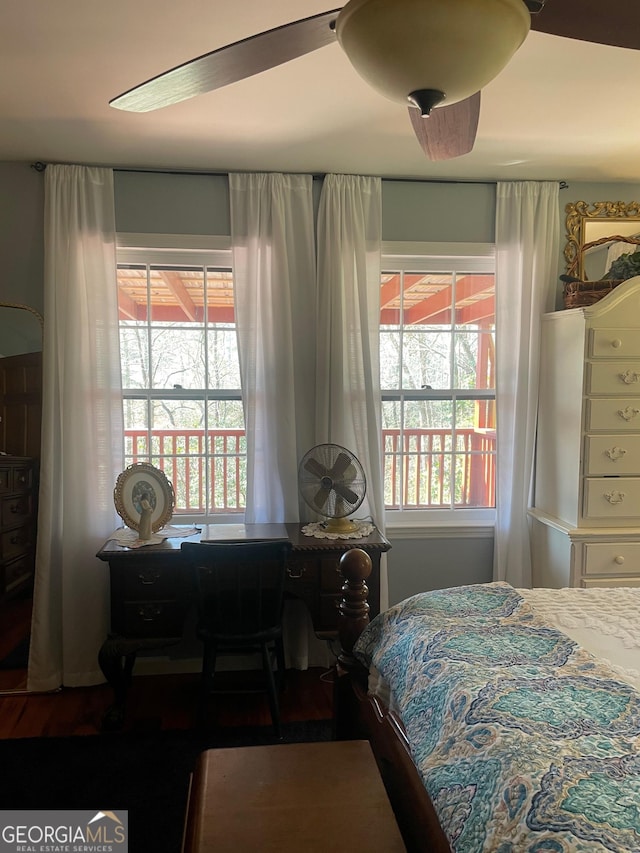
column 227, row 452
column 427, row 300
column 176, row 295
column 474, row 360
column 134, row 357
column 426, row 360
column 390, row 353
column 177, row 358
column 475, row 300
column 224, row 364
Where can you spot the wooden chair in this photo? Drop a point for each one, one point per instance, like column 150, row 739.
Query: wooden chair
column 240, row 595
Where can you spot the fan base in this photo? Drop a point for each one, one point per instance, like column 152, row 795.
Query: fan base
column 341, row 525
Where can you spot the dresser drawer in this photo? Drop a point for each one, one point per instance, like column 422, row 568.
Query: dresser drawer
column 5, row 480
column 616, row 499
column 612, row 455
column 15, row 542
column 612, row 558
column 21, row 478
column 615, row 343
column 614, row 414
column 613, row 377
column 17, row 573
column 593, row 583
column 15, row 509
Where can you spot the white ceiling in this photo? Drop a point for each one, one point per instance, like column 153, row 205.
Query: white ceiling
column 562, row 109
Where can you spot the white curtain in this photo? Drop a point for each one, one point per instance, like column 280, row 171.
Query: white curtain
column 527, row 235
column 348, row 361
column 274, row 262
column 82, row 429
column 274, row 282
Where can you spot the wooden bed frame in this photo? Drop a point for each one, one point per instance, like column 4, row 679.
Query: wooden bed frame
column 358, row 715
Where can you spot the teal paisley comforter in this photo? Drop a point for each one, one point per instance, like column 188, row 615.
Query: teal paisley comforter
column 525, row 742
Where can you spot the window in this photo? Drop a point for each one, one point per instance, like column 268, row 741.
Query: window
column 181, row 378
column 437, row 345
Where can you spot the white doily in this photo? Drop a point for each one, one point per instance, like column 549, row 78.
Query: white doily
column 319, row 531
column 129, row 538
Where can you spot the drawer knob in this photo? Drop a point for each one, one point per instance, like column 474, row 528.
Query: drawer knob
column 616, row 343
column 14, row 508
column 630, row 376
column 619, row 559
column 614, row 497
column 615, row 453
column 629, row 413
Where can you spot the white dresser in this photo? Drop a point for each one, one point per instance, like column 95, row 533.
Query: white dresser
column 585, row 522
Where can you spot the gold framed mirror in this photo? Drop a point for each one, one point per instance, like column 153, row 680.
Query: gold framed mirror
column 606, row 223
column 21, row 329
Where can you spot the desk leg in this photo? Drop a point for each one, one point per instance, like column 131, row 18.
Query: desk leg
column 116, row 658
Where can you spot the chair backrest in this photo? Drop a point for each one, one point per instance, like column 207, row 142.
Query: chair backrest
column 239, row 586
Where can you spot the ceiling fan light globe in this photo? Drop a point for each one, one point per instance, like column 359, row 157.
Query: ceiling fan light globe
column 454, row 46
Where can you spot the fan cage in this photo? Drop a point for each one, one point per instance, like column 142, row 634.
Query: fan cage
column 329, row 491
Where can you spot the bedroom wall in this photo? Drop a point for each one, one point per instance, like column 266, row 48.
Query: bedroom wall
column 148, row 202
column 21, row 235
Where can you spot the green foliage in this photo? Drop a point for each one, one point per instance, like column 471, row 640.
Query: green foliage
column 624, row 267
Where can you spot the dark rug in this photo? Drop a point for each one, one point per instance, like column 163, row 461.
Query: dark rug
column 18, row 658
column 146, row 774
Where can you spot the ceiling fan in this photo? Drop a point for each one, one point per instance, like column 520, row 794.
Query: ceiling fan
column 432, row 55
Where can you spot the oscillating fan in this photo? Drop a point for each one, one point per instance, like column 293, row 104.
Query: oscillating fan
column 333, row 484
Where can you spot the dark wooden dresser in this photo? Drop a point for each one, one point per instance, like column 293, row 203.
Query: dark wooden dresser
column 17, row 524
column 152, row 592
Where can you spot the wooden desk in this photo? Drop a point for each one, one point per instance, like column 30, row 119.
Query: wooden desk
column 311, row 797
column 152, row 592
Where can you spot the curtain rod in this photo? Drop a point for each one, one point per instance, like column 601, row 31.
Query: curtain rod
column 39, row 166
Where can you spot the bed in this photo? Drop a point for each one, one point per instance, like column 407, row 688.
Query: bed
column 503, row 720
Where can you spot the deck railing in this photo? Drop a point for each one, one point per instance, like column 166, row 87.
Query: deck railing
column 422, row 468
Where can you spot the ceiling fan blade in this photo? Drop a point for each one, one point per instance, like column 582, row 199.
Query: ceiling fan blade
column 230, row 63
column 616, row 23
column 448, row 131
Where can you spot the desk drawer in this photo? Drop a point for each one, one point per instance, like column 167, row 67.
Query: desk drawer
column 615, row 414
column 155, row 582
column 612, row 558
column 154, row 618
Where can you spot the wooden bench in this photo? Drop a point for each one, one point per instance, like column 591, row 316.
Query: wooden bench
column 311, row 797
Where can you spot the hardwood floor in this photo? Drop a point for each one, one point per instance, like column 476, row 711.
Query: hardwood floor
column 161, row 702
column 154, row 701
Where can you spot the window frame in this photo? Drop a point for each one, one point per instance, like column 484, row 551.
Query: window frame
column 426, row 257
column 179, row 250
